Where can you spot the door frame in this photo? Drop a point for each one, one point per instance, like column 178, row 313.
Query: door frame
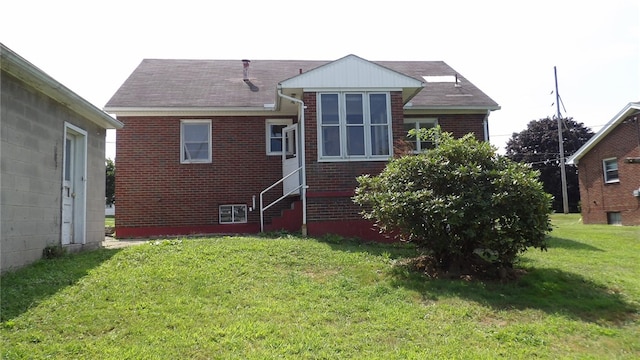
column 78, row 180
column 293, row 163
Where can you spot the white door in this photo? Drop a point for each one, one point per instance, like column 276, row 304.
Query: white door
column 290, row 159
column 68, row 194
column 74, row 179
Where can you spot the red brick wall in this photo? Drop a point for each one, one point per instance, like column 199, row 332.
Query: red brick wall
column 597, row 197
column 157, row 195
column 153, row 189
column 461, row 124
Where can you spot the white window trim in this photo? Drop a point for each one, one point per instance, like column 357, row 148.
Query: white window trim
column 197, row 161
column 246, row 214
column 267, row 129
column 416, row 121
column 604, row 171
column 343, row 157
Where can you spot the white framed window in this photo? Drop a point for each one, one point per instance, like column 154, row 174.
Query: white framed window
column 610, row 169
column 419, row 145
column 273, row 130
column 232, row 214
column 354, row 126
column 195, row 141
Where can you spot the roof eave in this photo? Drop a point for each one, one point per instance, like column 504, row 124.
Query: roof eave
column 189, row 111
column 27, row 72
column 603, row 132
column 452, row 108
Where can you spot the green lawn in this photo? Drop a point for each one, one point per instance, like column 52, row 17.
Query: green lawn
column 259, row 298
column 109, row 220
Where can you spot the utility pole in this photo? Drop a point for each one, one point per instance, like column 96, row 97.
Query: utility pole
column 563, row 174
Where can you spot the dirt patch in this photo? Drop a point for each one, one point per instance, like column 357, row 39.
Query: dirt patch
column 470, row 271
column 113, row 243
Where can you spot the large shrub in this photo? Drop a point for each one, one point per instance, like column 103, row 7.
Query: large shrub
column 460, row 201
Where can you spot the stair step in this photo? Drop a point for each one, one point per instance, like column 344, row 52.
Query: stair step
column 289, row 220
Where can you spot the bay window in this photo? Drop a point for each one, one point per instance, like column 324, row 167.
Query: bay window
column 354, row 126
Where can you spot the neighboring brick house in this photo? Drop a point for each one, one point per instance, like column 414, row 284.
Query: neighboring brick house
column 609, row 171
column 204, row 138
column 52, row 167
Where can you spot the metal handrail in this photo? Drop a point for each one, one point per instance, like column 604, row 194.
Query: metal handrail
column 262, row 209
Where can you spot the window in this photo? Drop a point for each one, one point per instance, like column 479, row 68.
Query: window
column 417, row 124
column 233, row 214
column 614, row 218
column 354, row 126
column 610, row 167
column 195, row 141
column 274, row 135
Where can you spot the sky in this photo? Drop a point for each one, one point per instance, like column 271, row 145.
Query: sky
column 506, row 48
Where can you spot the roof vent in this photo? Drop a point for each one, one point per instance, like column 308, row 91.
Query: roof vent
column 245, row 75
column 245, row 69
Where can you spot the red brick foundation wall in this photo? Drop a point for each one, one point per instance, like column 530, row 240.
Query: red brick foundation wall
column 597, row 197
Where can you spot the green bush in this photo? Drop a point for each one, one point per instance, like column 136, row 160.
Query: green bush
column 460, row 201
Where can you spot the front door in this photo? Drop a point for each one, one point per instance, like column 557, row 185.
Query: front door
column 290, row 159
column 73, row 186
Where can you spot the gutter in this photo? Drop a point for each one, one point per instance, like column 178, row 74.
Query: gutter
column 303, row 189
column 485, row 125
column 189, row 111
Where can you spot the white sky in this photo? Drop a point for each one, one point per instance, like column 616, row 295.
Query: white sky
column 506, row 48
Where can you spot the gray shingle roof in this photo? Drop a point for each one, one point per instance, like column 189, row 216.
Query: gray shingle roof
column 162, row 83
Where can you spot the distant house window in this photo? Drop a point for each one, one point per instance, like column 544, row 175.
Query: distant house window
column 610, row 167
column 233, row 214
column 274, row 135
column 354, row 126
column 195, row 141
column 417, row 124
column 614, row 218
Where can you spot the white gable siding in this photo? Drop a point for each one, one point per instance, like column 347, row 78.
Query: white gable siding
column 352, row 72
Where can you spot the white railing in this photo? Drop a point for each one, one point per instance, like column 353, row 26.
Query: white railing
column 263, row 208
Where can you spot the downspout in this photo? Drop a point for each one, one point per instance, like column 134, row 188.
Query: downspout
column 485, row 124
column 303, row 175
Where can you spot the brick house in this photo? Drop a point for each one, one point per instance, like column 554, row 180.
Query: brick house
column 609, row 171
column 214, row 146
column 52, row 143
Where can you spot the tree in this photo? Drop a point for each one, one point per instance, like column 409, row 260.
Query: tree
column 538, row 145
column 461, row 202
column 110, row 190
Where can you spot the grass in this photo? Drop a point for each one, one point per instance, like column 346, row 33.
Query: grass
column 109, row 220
column 258, row 298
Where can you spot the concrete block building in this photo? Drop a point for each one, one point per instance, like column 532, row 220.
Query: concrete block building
column 52, row 165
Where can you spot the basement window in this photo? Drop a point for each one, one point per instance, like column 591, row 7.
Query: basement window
column 614, row 218
column 610, row 168
column 233, row 214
